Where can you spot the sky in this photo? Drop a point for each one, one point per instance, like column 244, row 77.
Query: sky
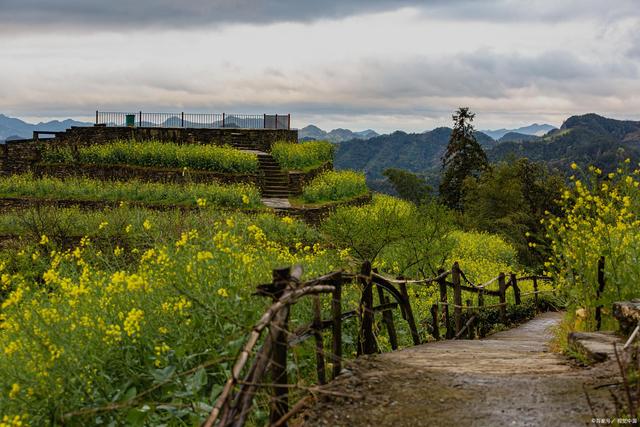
column 357, row 64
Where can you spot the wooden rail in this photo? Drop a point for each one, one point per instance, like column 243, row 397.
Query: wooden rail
column 234, row 403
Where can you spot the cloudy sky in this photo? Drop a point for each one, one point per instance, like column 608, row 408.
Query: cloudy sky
column 359, row 64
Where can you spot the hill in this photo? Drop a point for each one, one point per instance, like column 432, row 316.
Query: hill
column 311, row 132
column 534, row 129
column 586, row 139
column 516, row 136
column 12, row 128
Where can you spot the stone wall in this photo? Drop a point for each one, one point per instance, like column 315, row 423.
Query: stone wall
column 297, row 179
column 314, row 216
column 21, row 156
column 148, row 174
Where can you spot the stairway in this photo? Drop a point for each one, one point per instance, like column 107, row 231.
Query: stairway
column 240, row 142
column 276, row 181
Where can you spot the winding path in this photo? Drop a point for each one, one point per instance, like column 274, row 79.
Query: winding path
column 507, row 379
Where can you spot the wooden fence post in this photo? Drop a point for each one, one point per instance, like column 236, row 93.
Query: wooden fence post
column 434, row 317
column 516, row 289
column 469, row 316
column 387, row 318
column 407, row 306
column 280, row 398
column 535, row 294
column 480, row 305
column 445, row 306
column 503, row 298
column 317, row 334
column 457, row 296
column 336, row 314
column 366, row 341
column 601, row 284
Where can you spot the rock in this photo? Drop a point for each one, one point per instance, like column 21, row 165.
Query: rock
column 595, row 346
column 628, row 315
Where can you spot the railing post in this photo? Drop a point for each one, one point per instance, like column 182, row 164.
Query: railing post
column 336, row 314
column 366, row 340
column 276, row 120
column 317, row 334
column 387, row 318
column 409, row 311
column 434, row 317
column 445, row 306
column 503, row 299
column 535, row 294
column 289, row 121
column 457, row 296
column 182, row 119
column 480, row 305
column 516, row 289
column 96, row 116
column 601, row 284
column 223, row 118
column 280, row 398
column 140, row 119
column 469, row 316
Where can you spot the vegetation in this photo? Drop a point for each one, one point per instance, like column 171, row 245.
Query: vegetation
column 302, row 156
column 158, row 154
column 510, row 199
column 335, row 186
column 86, row 189
column 599, row 218
column 409, row 186
column 464, row 158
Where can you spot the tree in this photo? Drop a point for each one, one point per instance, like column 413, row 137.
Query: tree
column 409, row 186
column 464, row 158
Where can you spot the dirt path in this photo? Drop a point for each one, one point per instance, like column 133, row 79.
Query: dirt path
column 508, row 379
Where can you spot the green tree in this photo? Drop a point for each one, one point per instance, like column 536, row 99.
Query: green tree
column 510, row 199
column 463, row 158
column 409, row 186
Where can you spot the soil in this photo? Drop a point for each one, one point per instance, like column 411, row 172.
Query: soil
column 508, row 379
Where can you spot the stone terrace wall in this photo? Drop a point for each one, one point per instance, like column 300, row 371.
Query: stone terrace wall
column 21, row 156
column 297, row 179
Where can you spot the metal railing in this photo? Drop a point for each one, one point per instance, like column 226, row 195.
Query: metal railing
column 194, row 120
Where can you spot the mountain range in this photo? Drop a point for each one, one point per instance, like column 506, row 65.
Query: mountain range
column 12, row 128
column 311, row 132
column 587, row 139
column 534, row 129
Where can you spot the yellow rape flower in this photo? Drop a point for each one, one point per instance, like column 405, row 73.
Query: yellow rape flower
column 44, row 239
column 15, row 390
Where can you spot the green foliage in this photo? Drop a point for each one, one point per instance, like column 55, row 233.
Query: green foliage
column 510, row 199
column 599, row 218
column 86, row 189
column 335, row 186
column 302, row 156
column 464, row 158
column 158, row 154
column 149, row 343
column 409, row 186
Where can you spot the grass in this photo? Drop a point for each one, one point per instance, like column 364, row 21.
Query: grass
column 334, row 186
column 212, row 158
column 86, row 189
column 303, row 156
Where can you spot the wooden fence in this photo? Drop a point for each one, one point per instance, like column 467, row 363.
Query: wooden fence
column 234, row 403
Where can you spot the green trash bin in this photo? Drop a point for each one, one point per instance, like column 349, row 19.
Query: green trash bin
column 131, row 120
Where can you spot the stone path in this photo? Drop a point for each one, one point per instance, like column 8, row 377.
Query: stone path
column 508, row 379
column 276, row 203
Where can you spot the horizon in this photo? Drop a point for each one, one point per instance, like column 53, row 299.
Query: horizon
column 378, row 65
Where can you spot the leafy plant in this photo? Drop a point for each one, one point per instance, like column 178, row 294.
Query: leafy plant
column 335, row 186
column 302, row 156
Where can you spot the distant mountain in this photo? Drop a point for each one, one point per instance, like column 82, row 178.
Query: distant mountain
column 311, row 132
column 515, row 136
column 417, row 152
column 534, row 129
column 587, row 139
column 17, row 129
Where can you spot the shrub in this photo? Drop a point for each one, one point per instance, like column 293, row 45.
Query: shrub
column 335, row 186
column 302, row 156
column 159, row 154
column 86, row 189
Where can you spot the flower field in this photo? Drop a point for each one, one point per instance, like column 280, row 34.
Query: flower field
column 87, row 189
column 333, row 186
column 158, row 154
column 302, row 156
